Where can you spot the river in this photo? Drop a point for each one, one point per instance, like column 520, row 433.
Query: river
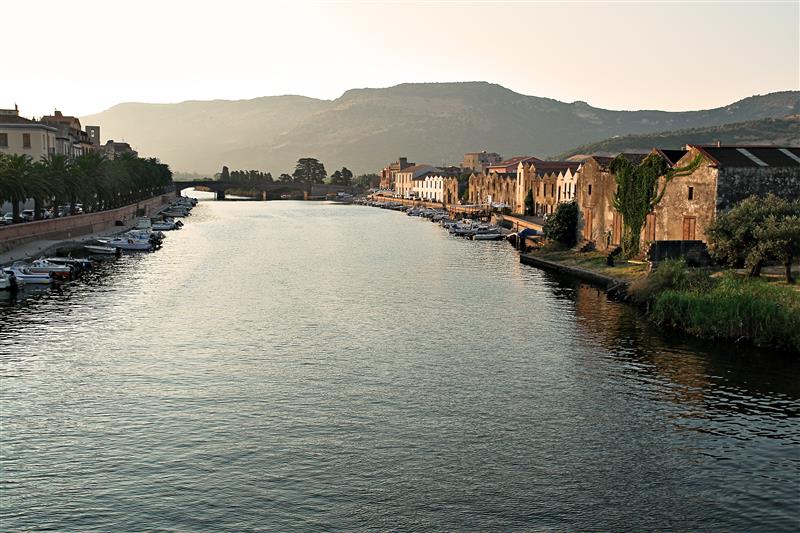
column 308, row 366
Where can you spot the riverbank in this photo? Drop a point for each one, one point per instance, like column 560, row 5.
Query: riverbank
column 722, row 305
column 44, row 237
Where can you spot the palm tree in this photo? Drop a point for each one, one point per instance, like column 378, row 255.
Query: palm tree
column 15, row 171
column 90, row 168
column 58, row 170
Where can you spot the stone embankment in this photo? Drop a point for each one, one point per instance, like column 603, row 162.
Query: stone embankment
column 71, row 227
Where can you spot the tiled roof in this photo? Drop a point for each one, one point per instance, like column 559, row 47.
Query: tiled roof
column 514, row 161
column 752, row 156
column 547, row 167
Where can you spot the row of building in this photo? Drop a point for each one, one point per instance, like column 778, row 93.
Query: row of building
column 53, row 134
column 725, row 176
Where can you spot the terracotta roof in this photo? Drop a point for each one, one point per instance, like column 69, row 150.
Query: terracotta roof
column 415, row 168
column 752, row 156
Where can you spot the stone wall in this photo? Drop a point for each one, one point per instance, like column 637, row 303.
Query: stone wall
column 596, row 216
column 77, row 225
column 673, row 213
column 736, row 184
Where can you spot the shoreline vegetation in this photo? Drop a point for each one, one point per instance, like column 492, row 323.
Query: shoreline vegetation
column 703, row 302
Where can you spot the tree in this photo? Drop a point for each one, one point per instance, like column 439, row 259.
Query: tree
column 347, row 176
column 779, row 238
column 284, row 178
column 756, row 230
column 529, row 202
column 637, row 193
column 309, row 171
column 336, row 178
column 225, row 175
column 562, row 226
column 366, row 181
column 15, row 173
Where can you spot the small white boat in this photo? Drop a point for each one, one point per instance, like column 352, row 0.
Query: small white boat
column 487, row 236
column 24, row 274
column 128, row 243
column 43, row 266
column 102, row 250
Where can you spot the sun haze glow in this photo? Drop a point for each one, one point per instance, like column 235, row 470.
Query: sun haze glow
column 85, row 57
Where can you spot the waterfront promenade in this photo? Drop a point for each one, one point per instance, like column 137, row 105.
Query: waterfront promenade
column 18, row 241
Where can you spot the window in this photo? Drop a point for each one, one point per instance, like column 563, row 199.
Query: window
column 26, row 140
column 691, row 193
column 590, row 189
column 3, row 140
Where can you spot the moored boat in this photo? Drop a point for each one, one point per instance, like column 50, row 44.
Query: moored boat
column 99, row 249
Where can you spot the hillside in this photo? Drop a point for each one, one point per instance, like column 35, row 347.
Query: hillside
column 770, row 131
column 366, row 128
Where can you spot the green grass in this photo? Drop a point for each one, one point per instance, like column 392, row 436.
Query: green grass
column 764, row 313
column 595, row 261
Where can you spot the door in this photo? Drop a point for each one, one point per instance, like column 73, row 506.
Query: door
column 689, row 224
column 587, row 223
column 616, row 235
column 650, row 228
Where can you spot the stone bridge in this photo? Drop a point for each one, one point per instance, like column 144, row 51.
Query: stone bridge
column 268, row 191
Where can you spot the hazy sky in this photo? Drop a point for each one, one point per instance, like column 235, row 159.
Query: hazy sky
column 86, row 56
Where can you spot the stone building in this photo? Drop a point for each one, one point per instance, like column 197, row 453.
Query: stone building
column 726, row 176
column 494, row 188
column 479, row 161
column 115, row 149
column 598, row 221
column 551, row 183
column 389, row 171
column 19, row 135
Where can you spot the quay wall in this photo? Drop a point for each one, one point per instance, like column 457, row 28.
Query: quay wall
column 519, row 223
column 77, row 225
column 595, row 278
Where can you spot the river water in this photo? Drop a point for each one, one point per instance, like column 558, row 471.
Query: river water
column 307, row 366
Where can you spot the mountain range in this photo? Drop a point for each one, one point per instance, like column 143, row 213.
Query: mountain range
column 364, row 129
column 774, row 131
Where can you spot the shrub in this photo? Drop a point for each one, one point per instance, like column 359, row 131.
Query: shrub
column 562, row 226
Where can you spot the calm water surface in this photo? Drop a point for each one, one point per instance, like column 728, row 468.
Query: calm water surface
column 302, row 366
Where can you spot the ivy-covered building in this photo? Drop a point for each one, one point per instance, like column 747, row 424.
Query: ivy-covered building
column 724, row 176
column 598, row 221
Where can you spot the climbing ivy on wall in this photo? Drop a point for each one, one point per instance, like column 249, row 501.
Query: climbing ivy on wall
column 637, row 193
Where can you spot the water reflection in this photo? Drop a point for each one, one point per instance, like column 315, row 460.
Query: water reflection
column 292, row 365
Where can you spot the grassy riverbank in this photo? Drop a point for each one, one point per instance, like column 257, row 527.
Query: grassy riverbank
column 722, row 305
column 594, row 261
column 710, row 304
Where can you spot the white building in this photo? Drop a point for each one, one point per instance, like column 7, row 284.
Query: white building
column 404, row 179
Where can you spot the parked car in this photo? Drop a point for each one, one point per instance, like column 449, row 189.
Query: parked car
column 27, row 215
column 8, row 218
